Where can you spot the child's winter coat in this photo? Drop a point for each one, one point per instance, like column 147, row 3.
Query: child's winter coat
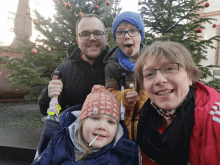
column 60, row 150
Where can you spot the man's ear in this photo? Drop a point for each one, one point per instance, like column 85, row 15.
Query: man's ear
column 77, row 41
column 106, row 39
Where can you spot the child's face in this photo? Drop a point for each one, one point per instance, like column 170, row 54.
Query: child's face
column 130, row 46
column 102, row 125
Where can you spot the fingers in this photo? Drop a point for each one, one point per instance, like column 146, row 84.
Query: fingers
column 131, row 94
column 55, row 87
column 55, row 77
column 131, row 97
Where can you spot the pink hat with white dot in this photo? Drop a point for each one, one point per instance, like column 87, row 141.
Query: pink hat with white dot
column 100, row 101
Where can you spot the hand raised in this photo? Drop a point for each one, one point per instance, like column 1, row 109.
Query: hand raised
column 55, row 87
column 131, row 97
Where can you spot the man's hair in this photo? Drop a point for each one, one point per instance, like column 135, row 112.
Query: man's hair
column 88, row 16
column 173, row 51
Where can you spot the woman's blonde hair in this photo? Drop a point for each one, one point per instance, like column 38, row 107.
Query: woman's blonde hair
column 173, row 51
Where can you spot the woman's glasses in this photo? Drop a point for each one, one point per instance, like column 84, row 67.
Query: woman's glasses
column 166, row 70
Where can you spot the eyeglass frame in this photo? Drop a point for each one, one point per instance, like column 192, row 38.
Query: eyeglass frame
column 141, row 73
column 125, row 32
column 103, row 33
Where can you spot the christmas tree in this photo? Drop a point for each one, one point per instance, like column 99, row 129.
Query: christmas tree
column 56, row 41
column 179, row 20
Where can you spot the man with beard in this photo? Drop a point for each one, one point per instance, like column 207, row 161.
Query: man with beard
column 82, row 70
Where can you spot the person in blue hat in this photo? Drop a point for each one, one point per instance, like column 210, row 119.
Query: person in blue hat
column 128, row 32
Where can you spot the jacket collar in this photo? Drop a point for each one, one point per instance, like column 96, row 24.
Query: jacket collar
column 113, row 51
column 123, row 147
column 67, row 118
column 205, row 96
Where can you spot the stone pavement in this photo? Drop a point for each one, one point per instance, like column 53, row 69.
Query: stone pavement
column 13, row 162
column 20, row 115
column 20, row 130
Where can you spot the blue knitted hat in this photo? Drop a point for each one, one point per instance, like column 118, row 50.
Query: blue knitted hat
column 131, row 17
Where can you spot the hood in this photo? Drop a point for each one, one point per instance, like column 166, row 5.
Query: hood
column 70, row 49
column 73, row 128
column 205, row 96
column 122, row 146
column 68, row 117
column 112, row 56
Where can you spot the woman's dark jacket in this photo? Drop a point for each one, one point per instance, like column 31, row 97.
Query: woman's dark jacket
column 60, row 150
column 78, row 78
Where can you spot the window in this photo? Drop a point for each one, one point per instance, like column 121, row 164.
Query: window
column 216, row 74
column 218, row 50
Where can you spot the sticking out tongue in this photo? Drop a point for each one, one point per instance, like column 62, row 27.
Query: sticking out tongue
column 128, row 49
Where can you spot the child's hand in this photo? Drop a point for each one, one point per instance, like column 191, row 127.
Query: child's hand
column 131, row 97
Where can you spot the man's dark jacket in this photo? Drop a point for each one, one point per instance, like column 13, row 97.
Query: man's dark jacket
column 78, row 78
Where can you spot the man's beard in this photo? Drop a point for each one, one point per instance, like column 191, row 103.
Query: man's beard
column 92, row 57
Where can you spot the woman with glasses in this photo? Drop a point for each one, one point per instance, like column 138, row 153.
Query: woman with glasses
column 180, row 122
column 128, row 32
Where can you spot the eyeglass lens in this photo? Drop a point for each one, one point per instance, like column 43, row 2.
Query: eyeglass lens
column 166, row 70
column 87, row 35
column 132, row 33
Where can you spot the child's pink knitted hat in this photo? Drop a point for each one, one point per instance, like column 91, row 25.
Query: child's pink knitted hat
column 100, row 101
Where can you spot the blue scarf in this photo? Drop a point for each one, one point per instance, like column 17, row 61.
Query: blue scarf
column 125, row 62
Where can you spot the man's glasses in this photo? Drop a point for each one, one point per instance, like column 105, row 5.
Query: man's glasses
column 166, row 70
column 86, row 35
column 132, row 33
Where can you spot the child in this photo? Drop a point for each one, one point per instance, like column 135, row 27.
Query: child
column 96, row 137
column 128, row 32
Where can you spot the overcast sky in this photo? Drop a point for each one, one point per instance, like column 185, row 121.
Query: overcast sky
column 45, row 7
